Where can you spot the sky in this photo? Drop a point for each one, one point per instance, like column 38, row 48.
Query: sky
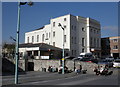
column 41, row 12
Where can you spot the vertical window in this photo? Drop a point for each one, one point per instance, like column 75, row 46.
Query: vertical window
column 75, row 52
column 83, row 50
column 94, row 31
column 37, row 38
column 43, row 37
column 53, row 43
column 115, row 47
column 35, row 53
column 46, row 35
column 91, row 40
column 94, row 42
column 32, row 38
column 53, row 34
column 64, row 38
column 53, row 24
column 64, row 19
column 27, row 39
column 72, row 26
column 49, row 34
column 83, row 41
column 72, row 52
column 75, row 28
column 83, row 29
column 115, row 40
column 72, row 39
column 97, row 42
column 75, row 40
column 91, row 30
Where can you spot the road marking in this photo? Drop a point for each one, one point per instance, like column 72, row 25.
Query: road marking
column 38, row 82
column 79, row 81
column 21, row 77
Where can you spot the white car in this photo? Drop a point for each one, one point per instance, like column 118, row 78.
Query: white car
column 116, row 63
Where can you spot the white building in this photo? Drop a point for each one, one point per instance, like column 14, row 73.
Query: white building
column 80, row 35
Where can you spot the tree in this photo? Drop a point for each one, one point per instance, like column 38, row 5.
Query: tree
column 8, row 49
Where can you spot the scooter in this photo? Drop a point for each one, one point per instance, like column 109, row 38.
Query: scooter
column 104, row 72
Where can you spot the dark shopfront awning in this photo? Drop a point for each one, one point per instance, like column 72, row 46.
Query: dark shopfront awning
column 42, row 46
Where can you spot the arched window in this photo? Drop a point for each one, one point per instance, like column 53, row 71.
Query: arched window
column 43, row 37
column 27, row 39
column 32, row 39
column 37, row 38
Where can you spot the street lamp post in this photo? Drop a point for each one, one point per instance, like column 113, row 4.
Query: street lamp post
column 63, row 50
column 17, row 40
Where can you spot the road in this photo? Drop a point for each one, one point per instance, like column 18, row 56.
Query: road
column 45, row 78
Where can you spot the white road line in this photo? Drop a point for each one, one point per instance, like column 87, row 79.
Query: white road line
column 25, row 77
column 79, row 81
column 36, row 82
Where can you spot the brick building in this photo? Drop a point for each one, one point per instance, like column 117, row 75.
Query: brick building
column 110, row 46
column 115, row 46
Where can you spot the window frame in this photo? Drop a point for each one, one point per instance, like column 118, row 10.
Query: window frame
column 32, row 39
column 37, row 38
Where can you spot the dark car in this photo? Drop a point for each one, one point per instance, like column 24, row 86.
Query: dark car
column 109, row 63
column 92, row 60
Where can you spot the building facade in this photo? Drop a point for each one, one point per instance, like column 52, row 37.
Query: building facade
column 39, row 51
column 115, row 46
column 80, row 35
column 105, row 47
column 110, row 47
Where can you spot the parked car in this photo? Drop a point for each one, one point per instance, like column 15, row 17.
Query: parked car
column 106, row 62
column 110, row 58
column 116, row 63
column 85, row 59
column 76, row 59
column 88, row 55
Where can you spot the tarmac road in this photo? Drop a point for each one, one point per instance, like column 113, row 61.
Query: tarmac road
column 46, row 78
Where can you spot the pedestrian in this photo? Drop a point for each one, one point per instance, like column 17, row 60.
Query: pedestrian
column 49, row 68
column 101, row 69
column 80, row 68
column 77, row 70
column 60, row 69
column 54, row 69
column 96, row 71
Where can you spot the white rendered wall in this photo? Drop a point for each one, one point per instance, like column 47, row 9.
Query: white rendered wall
column 79, row 22
column 58, row 39
column 82, row 33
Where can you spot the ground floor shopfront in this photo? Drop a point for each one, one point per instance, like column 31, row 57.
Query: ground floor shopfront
column 39, row 51
column 115, row 55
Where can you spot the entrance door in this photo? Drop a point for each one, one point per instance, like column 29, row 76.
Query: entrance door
column 30, row 66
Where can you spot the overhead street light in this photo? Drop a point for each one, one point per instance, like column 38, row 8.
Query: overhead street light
column 63, row 59
column 12, row 38
column 17, row 39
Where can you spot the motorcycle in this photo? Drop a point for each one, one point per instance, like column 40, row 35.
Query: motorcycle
column 104, row 72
